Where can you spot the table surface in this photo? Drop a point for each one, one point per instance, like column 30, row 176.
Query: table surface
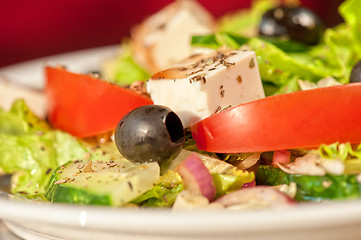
column 33, row 29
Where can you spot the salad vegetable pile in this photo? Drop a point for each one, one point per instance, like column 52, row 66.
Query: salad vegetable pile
column 121, row 137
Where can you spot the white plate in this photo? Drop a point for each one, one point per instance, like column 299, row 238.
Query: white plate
column 31, row 73
column 34, row 220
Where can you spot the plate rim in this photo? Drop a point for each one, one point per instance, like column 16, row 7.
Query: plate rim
column 168, row 221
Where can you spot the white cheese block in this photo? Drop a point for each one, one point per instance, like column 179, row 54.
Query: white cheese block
column 206, row 84
column 164, row 38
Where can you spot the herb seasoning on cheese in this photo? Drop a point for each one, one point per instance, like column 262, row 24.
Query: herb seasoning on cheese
column 204, row 84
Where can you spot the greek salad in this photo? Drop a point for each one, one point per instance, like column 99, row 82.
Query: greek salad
column 258, row 108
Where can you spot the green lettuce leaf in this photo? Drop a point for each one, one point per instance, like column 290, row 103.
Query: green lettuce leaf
column 246, row 21
column 290, row 86
column 278, row 67
column 232, row 40
column 159, row 196
column 312, row 188
column 205, row 41
column 286, row 45
column 32, row 158
column 349, row 154
column 123, row 70
column 164, row 193
column 20, row 120
column 351, row 11
column 337, row 53
column 31, row 150
column 226, row 183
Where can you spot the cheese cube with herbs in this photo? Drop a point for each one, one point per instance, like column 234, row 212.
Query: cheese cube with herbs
column 206, row 84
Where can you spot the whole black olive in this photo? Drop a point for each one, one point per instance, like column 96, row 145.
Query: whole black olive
column 356, row 73
column 150, row 133
column 296, row 23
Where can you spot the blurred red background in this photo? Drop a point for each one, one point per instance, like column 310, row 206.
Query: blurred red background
column 32, row 29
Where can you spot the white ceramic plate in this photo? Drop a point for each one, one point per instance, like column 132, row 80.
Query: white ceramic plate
column 34, row 220
column 31, row 73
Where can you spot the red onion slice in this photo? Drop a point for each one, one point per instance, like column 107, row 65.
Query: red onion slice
column 281, row 157
column 261, row 196
column 196, row 177
column 249, row 184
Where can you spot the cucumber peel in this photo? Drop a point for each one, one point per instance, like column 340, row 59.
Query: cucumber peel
column 312, row 188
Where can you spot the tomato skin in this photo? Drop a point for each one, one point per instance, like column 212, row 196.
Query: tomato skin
column 85, row 106
column 303, row 119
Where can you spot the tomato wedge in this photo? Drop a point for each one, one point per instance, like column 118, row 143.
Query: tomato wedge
column 85, row 106
column 303, row 119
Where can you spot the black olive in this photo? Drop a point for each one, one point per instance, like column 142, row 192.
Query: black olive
column 356, row 73
column 150, row 133
column 296, row 23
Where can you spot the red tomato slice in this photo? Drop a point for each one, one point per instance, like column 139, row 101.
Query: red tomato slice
column 303, row 119
column 85, row 106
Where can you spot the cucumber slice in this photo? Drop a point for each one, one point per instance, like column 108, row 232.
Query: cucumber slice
column 312, row 188
column 101, row 183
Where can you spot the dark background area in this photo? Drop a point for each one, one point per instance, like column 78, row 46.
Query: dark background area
column 33, row 29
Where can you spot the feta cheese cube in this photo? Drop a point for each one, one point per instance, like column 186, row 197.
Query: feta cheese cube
column 164, row 38
column 206, row 84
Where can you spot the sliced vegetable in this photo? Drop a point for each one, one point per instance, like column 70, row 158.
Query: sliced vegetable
column 122, row 69
column 101, row 183
column 309, row 164
column 20, row 120
column 281, row 157
column 164, row 193
column 303, row 119
column 250, row 184
column 345, row 152
column 350, row 11
column 85, row 106
column 279, row 67
column 30, row 150
column 188, row 200
column 259, row 196
column 226, row 183
column 32, row 158
column 246, row 21
column 196, row 177
column 312, row 188
column 214, row 165
column 232, row 40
